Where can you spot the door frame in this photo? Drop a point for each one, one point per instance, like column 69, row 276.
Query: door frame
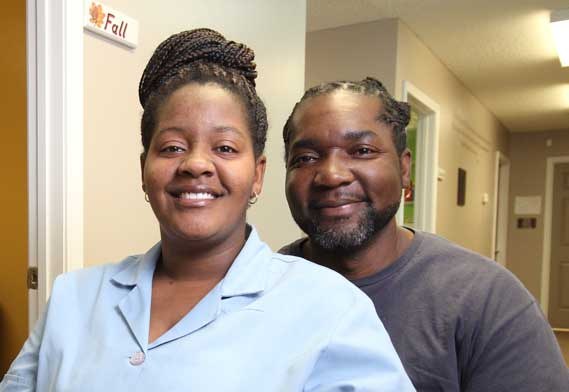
column 54, row 32
column 547, row 222
column 500, row 215
column 427, row 159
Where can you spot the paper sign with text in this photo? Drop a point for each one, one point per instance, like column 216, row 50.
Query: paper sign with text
column 111, row 23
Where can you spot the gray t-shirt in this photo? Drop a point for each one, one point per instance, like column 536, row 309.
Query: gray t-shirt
column 461, row 322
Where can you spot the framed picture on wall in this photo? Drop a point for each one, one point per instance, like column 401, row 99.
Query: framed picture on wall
column 461, row 194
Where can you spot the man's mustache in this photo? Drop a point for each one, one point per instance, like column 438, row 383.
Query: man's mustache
column 336, row 199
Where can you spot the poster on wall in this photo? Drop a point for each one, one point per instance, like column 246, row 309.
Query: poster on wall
column 110, row 23
column 527, row 205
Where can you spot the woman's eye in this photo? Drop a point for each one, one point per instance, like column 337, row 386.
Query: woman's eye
column 173, row 149
column 226, row 149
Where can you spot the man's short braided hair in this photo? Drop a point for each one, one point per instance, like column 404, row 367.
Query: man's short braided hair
column 201, row 56
column 393, row 113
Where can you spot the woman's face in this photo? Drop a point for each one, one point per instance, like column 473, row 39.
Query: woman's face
column 200, row 169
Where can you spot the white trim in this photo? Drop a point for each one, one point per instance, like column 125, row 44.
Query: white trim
column 501, row 192
column 547, row 222
column 426, row 210
column 31, row 48
column 55, row 139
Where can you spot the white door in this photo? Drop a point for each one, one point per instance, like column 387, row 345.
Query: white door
column 500, row 227
column 559, row 260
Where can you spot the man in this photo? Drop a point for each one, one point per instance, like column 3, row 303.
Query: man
column 459, row 321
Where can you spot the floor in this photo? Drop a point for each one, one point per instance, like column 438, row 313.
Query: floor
column 563, row 339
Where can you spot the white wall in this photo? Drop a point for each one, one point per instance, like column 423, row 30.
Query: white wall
column 352, row 53
column 118, row 222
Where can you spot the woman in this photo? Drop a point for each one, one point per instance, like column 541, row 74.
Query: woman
column 210, row 307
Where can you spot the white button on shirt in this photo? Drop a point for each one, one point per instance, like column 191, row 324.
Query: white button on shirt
column 137, row 358
column 274, row 323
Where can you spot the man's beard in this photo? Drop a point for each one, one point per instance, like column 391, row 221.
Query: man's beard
column 347, row 238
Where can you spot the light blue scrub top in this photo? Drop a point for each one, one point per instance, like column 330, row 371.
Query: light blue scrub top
column 274, row 323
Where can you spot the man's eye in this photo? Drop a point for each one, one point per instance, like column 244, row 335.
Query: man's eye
column 363, row 151
column 226, row 149
column 303, row 159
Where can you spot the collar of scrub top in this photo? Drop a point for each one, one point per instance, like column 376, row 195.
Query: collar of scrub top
column 247, row 277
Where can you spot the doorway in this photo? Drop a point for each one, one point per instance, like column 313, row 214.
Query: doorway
column 500, row 215
column 419, row 203
column 559, row 240
column 410, row 194
column 555, row 269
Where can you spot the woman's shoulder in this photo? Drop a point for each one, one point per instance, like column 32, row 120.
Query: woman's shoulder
column 91, row 278
column 311, row 277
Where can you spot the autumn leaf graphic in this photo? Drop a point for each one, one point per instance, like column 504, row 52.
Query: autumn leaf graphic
column 97, row 14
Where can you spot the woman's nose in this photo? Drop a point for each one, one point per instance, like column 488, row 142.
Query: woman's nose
column 333, row 172
column 196, row 163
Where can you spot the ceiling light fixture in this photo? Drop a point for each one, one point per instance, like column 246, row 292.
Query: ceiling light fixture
column 560, row 28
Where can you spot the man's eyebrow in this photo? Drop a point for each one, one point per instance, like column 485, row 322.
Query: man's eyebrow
column 359, row 134
column 304, row 143
column 349, row 135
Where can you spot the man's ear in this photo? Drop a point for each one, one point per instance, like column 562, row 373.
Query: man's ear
column 142, row 162
column 405, row 167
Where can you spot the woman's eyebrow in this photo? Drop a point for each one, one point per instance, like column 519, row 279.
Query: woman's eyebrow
column 218, row 129
column 226, row 128
column 171, row 129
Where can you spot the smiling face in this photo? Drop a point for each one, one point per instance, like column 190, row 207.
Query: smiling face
column 344, row 176
column 200, row 169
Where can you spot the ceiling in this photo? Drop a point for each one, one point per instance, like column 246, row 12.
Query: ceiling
column 501, row 50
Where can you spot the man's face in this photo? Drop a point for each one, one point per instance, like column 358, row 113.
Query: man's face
column 344, row 176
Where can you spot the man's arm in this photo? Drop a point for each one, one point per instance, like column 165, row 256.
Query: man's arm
column 512, row 347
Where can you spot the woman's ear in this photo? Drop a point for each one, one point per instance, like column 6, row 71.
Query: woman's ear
column 260, row 166
column 142, row 162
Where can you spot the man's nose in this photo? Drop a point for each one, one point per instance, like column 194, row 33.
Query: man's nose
column 333, row 172
column 196, row 163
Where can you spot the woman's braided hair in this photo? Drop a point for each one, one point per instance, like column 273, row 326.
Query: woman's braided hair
column 393, row 113
column 201, row 56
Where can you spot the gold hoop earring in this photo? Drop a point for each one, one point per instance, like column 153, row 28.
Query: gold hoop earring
column 146, row 197
column 253, row 199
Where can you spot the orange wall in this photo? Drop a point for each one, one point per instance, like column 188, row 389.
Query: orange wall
column 13, row 180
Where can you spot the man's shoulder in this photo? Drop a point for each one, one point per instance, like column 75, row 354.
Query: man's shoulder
column 442, row 253
column 449, row 266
